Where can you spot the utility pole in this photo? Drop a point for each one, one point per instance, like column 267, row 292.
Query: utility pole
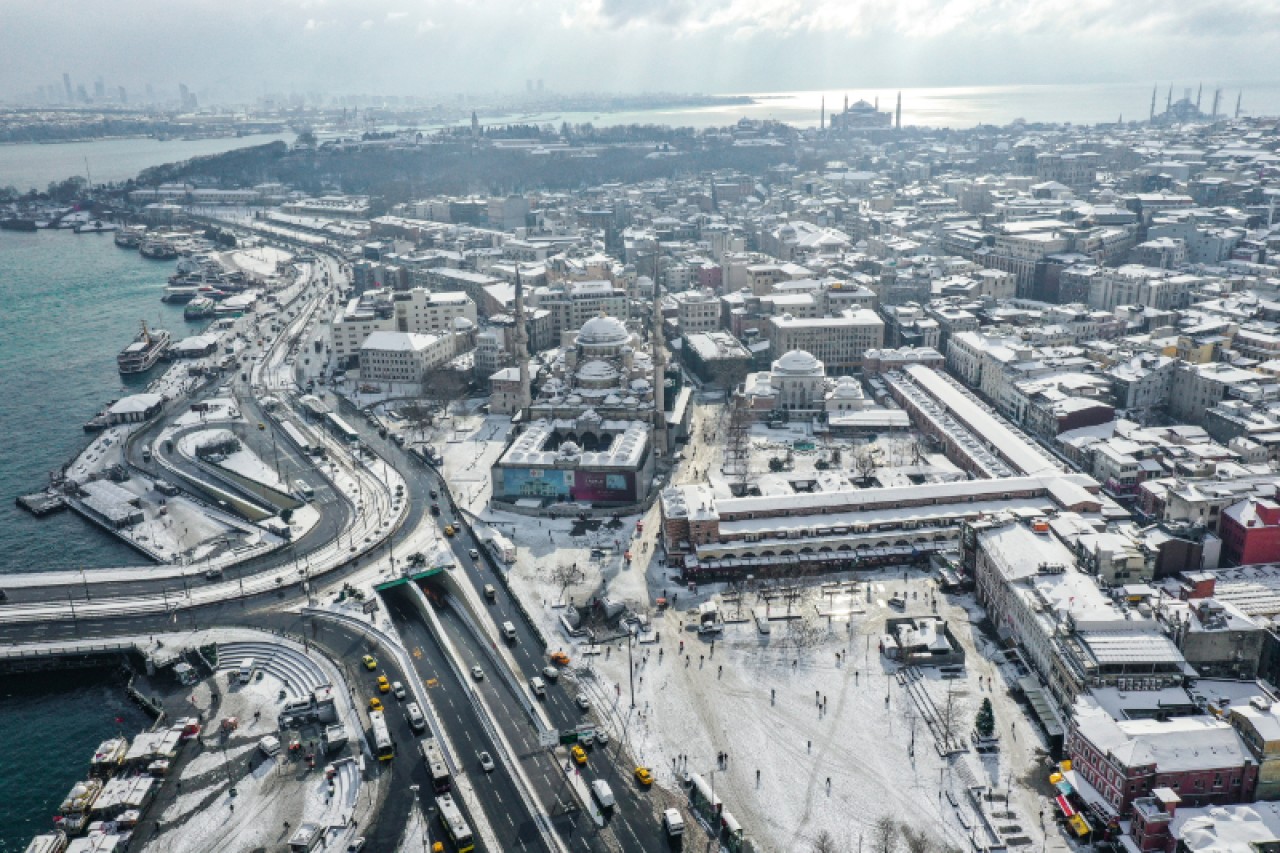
column 631, row 671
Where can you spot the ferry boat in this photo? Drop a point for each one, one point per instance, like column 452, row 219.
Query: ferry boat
column 158, row 250
column 144, row 352
column 15, row 223
column 181, row 291
column 129, row 238
column 199, row 308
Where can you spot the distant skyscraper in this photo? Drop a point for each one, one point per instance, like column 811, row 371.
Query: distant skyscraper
column 66, row 84
column 539, row 85
column 475, row 125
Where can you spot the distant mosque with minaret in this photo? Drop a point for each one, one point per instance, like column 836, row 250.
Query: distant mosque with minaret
column 862, row 115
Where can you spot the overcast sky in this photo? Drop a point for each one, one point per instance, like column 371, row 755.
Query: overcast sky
column 238, row 49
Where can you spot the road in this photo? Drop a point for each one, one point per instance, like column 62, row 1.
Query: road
column 515, row 827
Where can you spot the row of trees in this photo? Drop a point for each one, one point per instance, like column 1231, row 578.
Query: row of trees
column 888, row 835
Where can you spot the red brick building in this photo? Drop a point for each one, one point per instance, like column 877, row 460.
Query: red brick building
column 1250, row 531
column 1201, row 759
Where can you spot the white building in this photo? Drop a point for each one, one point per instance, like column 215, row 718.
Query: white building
column 416, row 311
column 839, row 342
column 402, row 356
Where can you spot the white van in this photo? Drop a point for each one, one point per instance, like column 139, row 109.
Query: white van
column 246, row 670
column 417, row 722
column 509, row 631
column 673, row 821
column 603, row 793
column 538, row 686
column 269, row 745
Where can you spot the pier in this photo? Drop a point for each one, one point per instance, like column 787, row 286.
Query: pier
column 41, row 503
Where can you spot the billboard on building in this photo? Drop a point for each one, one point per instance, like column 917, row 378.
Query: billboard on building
column 537, row 482
column 605, row 487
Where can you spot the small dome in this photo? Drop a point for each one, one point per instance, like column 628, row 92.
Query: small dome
column 603, row 331
column 462, row 324
column 797, row 363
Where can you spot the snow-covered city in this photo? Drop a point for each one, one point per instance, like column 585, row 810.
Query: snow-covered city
column 532, row 485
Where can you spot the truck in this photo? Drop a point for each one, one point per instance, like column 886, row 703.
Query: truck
column 334, row 737
column 603, row 793
column 673, row 823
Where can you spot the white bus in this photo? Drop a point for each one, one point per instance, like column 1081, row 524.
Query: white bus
column 455, row 824
column 303, row 490
column 382, row 745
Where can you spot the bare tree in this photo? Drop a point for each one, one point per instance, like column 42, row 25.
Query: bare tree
column 738, row 444
column 884, row 834
column 825, row 843
column 565, row 575
column 915, row 840
column 445, row 385
column 865, row 463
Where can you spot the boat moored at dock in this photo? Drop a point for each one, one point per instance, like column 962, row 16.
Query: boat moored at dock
column 144, row 352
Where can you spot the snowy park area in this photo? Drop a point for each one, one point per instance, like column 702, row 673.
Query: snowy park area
column 807, row 729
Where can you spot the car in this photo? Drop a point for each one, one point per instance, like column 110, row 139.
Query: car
column 489, row 592
column 477, row 673
column 602, row 737
column 644, row 776
column 475, row 555
column 435, row 510
column 550, row 673
column 375, row 704
column 449, row 530
column 369, row 662
column 582, row 701
column 433, row 494
column 560, row 658
column 356, row 846
column 486, row 762
column 384, row 686
column 579, row 754
column 398, row 689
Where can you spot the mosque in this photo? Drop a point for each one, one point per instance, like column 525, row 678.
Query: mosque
column 587, row 433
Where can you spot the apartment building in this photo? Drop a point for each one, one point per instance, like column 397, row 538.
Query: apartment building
column 839, row 342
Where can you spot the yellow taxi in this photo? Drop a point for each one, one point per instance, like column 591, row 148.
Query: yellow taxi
column 369, row 662
column 384, row 686
column 579, row 754
column 643, row 776
column 560, row 658
column 375, row 704
column 449, row 530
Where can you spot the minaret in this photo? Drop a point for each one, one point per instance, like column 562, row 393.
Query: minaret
column 1239, row 95
column 877, row 104
column 659, row 367
column 822, row 114
column 1153, row 103
column 1199, row 90
column 846, row 102
column 1169, row 104
column 897, row 114
column 522, row 345
column 475, row 125
column 1217, row 96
